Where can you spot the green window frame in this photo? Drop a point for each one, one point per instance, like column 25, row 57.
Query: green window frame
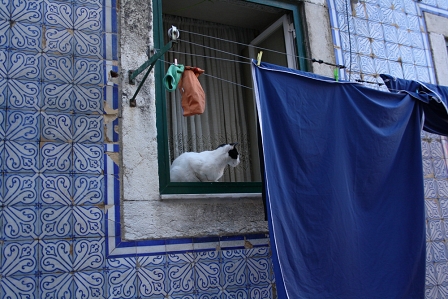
column 165, row 186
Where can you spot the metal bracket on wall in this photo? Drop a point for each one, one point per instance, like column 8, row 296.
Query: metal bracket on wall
column 150, row 62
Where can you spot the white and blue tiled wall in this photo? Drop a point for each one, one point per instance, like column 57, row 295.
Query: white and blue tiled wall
column 60, row 230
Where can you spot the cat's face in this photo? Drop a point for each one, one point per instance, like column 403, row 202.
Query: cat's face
column 234, row 155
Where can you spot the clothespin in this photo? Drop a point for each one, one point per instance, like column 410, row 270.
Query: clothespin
column 336, row 74
column 175, row 61
column 259, row 57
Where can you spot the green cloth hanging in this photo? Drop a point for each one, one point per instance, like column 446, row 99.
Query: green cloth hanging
column 173, row 76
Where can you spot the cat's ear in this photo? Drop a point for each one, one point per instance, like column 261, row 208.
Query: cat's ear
column 234, row 144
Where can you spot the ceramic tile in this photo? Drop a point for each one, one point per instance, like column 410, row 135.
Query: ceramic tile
column 27, row 11
column 88, row 254
column 88, row 129
column 152, row 282
column 440, row 168
column 110, row 3
column 258, row 271
column 347, row 25
column 207, row 275
column 110, row 19
column 212, row 294
column 359, row 10
column 436, row 230
column 27, row 37
column 88, row 158
column 22, row 125
column 5, row 10
column 24, row 66
column 58, row 14
column 419, row 57
column 236, row 293
column 88, row 221
column 56, row 221
column 425, row 74
column 381, row 66
column 57, row 69
column 261, row 292
column 361, row 27
column 57, row 127
column 88, row 71
column 20, row 189
column 5, row 31
column 363, row 45
column 88, row 44
column 234, row 273
column 19, row 258
column 442, row 4
column 21, row 156
column 436, row 251
column 4, row 65
column 57, row 97
column 3, row 99
column 88, row 99
column 21, row 222
column 410, row 7
column 367, row 65
column 56, row 189
column 122, row 283
column 347, row 40
column 56, row 256
column 430, row 187
column 88, row 190
column 56, row 157
column 352, row 62
column 60, row 285
column 2, row 124
column 92, row 3
column 23, row 95
column 58, row 41
column 19, row 287
column 181, row 278
column 2, row 156
column 373, row 12
column 442, row 188
column 90, row 284
column 395, row 69
column 182, row 296
column 110, row 53
column 87, row 18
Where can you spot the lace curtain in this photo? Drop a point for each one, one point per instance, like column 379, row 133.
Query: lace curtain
column 228, row 116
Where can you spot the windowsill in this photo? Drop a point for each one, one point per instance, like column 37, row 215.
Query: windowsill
column 212, row 197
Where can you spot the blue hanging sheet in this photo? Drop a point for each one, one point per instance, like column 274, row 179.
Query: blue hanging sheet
column 344, row 186
column 436, row 97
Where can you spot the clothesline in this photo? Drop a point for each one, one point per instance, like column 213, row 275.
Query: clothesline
column 264, row 49
column 245, row 60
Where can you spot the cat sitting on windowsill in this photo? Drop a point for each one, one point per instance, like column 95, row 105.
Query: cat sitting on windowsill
column 206, row 166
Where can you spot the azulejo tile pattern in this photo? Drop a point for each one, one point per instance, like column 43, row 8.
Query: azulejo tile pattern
column 383, row 36
column 59, row 186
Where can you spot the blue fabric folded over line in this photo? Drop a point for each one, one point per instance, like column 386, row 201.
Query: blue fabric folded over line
column 344, row 186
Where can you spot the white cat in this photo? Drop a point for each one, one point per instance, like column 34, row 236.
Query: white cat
column 207, row 166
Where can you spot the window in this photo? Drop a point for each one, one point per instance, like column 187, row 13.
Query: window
column 206, row 27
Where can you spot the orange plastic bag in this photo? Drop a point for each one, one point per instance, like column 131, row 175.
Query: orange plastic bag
column 193, row 96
